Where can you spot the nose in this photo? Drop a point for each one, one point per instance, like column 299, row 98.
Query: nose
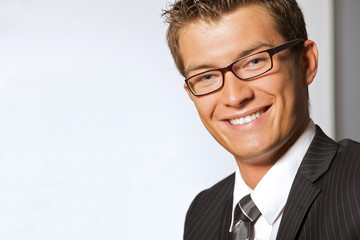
column 236, row 92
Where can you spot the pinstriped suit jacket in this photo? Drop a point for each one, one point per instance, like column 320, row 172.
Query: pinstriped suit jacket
column 323, row 203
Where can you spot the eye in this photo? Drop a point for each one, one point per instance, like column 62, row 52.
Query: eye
column 206, row 77
column 255, row 61
column 205, row 81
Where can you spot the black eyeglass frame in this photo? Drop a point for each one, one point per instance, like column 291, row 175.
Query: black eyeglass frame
column 271, row 52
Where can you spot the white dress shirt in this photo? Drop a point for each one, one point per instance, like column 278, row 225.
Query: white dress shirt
column 270, row 194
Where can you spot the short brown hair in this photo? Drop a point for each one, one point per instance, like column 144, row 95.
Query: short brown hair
column 287, row 14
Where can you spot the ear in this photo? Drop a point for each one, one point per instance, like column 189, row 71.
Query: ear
column 309, row 61
column 188, row 92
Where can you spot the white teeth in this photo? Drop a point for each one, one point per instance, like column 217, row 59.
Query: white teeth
column 246, row 119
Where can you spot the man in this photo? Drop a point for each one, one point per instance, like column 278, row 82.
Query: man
column 248, row 64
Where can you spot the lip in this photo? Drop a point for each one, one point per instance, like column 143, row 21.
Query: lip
column 250, row 124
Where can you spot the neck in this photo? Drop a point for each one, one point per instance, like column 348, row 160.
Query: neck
column 253, row 174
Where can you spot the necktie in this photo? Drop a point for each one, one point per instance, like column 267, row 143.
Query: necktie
column 245, row 214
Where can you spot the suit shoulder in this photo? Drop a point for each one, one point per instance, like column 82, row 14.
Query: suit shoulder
column 225, row 184
column 206, row 210
column 349, row 145
column 346, row 162
column 223, row 188
column 349, row 150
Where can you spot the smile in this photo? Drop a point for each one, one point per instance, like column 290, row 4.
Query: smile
column 246, row 119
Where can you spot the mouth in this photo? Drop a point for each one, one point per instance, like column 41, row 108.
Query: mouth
column 247, row 119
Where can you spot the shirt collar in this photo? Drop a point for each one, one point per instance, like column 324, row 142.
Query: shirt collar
column 271, row 192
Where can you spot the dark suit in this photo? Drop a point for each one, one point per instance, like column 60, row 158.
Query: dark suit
column 323, row 203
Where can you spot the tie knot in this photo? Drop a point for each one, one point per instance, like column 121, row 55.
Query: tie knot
column 246, row 210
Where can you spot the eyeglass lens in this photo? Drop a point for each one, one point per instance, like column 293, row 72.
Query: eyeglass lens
column 244, row 68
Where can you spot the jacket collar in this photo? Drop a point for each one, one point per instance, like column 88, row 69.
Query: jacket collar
column 318, row 157
column 303, row 192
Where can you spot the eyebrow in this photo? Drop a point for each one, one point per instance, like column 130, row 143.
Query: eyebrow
column 244, row 53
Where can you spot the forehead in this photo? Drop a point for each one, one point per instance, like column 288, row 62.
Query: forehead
column 220, row 41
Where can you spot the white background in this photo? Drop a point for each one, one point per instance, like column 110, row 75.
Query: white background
column 98, row 139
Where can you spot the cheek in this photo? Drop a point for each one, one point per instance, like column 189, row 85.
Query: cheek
column 285, row 87
column 283, row 81
column 296, row 91
column 205, row 106
column 280, row 89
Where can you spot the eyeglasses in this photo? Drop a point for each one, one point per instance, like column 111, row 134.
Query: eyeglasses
column 245, row 68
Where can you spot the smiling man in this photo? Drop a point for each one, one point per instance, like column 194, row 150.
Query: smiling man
column 247, row 66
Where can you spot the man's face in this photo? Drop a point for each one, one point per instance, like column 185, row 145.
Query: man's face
column 274, row 105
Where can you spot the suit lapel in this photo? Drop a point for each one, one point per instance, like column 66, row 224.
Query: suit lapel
column 226, row 220
column 301, row 196
column 303, row 191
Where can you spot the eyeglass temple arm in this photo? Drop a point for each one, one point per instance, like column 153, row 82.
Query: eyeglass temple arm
column 286, row 45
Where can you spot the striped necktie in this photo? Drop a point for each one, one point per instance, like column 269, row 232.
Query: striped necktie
column 245, row 214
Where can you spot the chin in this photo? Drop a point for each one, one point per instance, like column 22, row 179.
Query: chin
column 256, row 151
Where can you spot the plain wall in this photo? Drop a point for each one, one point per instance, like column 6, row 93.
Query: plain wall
column 347, row 68
column 98, row 139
